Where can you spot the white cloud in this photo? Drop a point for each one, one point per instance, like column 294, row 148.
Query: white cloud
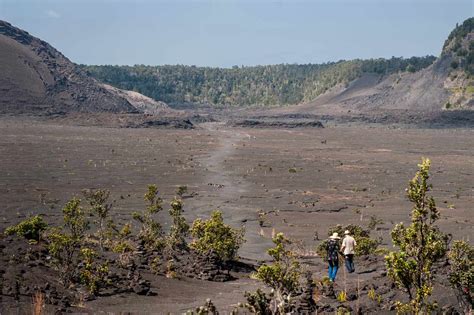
column 53, row 14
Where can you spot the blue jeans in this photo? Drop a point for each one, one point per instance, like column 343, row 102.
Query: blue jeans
column 333, row 266
column 350, row 263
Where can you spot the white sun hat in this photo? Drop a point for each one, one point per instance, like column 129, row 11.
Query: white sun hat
column 334, row 236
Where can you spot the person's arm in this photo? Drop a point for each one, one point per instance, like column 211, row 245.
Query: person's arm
column 343, row 245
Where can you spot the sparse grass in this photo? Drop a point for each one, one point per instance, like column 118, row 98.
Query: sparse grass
column 470, row 89
column 342, row 296
column 371, row 294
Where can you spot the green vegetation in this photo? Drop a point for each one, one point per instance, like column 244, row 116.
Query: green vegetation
column 342, row 296
column 365, row 244
column 182, row 189
column 180, row 228
column 461, row 276
column 258, row 302
column 241, row 86
column 214, row 235
column 461, row 49
column 99, row 209
column 65, row 242
column 30, row 228
column 93, row 274
column 421, row 244
column 283, row 276
column 151, row 232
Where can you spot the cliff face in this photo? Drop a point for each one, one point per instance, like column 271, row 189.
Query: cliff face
column 459, row 49
column 447, row 84
column 38, row 79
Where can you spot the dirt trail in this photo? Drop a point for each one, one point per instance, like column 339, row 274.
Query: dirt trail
column 225, row 189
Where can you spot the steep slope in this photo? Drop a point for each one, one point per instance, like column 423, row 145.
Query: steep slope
column 446, row 84
column 142, row 103
column 38, row 79
column 459, row 48
column 420, row 91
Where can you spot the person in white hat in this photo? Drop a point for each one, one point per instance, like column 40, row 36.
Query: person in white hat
column 348, row 248
column 332, row 248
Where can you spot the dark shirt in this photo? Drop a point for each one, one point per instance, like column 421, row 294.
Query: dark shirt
column 333, row 249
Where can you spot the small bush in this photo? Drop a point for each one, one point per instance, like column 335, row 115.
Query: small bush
column 151, row 233
column 342, row 296
column 30, row 228
column 461, row 276
column 180, row 228
column 283, row 276
column 258, row 302
column 421, row 244
column 215, row 235
column 75, row 219
column 365, row 244
column 63, row 250
column 100, row 208
column 182, row 190
column 92, row 275
column 64, row 243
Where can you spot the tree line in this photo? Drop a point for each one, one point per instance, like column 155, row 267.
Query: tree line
column 282, row 84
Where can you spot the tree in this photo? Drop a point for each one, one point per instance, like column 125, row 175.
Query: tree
column 100, row 208
column 180, row 228
column 282, row 276
column 215, row 235
column 64, row 243
column 151, row 232
column 420, row 245
column 461, row 276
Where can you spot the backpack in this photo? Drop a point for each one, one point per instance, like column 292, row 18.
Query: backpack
column 333, row 250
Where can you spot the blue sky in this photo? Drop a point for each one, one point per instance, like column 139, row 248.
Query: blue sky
column 226, row 33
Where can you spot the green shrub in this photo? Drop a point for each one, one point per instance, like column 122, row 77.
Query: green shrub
column 30, row 228
column 92, row 274
column 258, row 302
column 461, row 276
column 151, row 232
column 421, row 244
column 283, row 276
column 121, row 243
column 75, row 219
column 215, row 235
column 63, row 250
column 100, row 208
column 342, row 296
column 180, row 228
column 365, row 244
column 181, row 190
column 64, row 243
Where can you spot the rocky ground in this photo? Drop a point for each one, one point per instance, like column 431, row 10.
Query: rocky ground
column 304, row 179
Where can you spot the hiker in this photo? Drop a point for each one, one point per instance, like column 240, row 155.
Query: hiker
column 333, row 255
column 348, row 245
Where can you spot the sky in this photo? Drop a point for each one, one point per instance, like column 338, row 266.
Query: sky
column 224, row 33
